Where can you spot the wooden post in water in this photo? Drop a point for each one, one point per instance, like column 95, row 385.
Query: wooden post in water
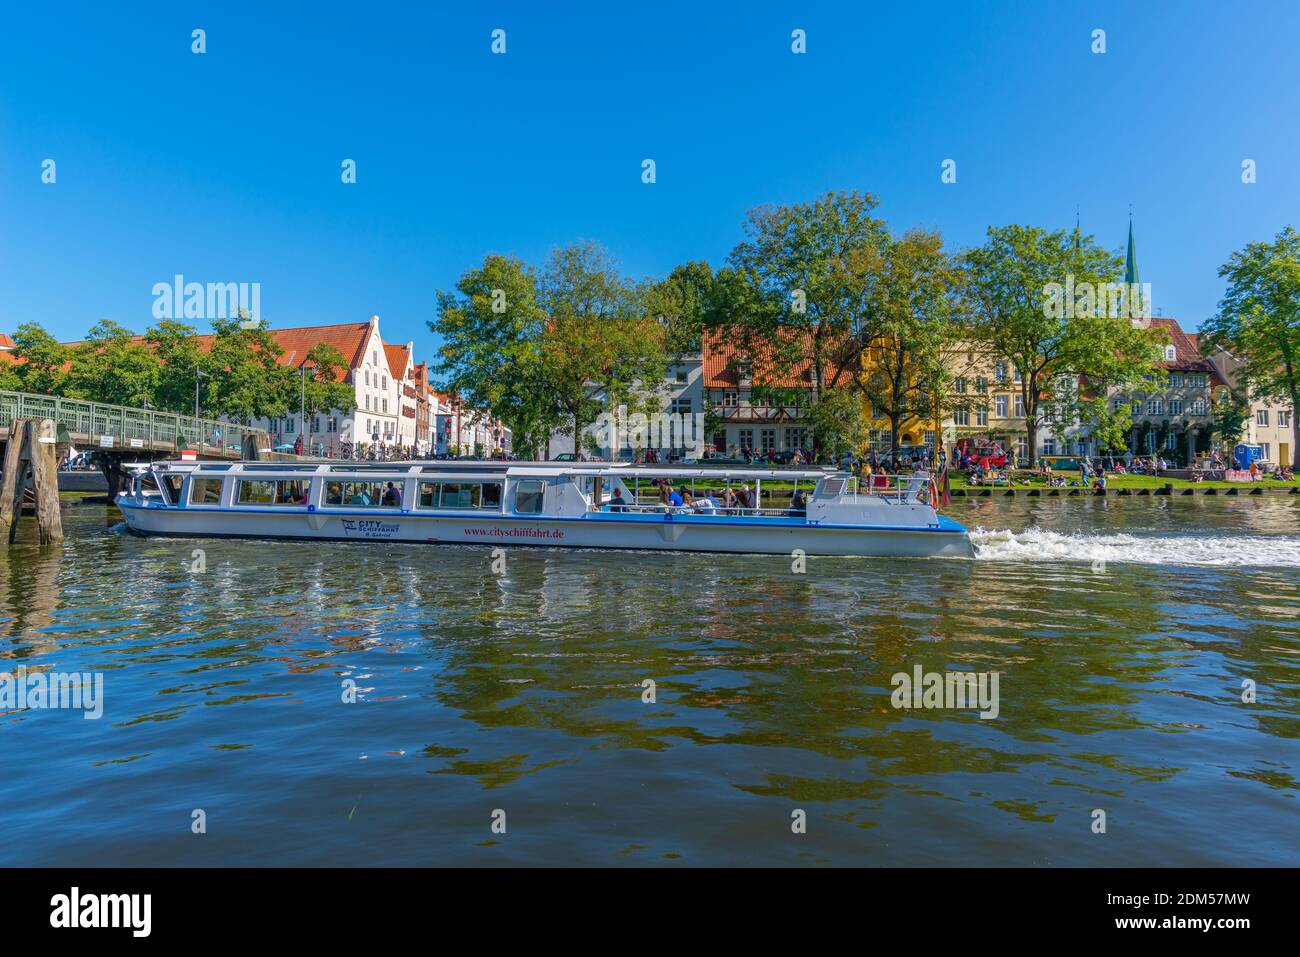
column 41, row 440
column 11, row 485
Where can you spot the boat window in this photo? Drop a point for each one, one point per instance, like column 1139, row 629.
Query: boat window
column 266, row 492
column 364, row 494
column 173, row 486
column 528, row 496
column 205, row 491
column 460, row 495
column 255, row 492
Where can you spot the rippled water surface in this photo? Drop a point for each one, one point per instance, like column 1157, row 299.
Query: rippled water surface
column 1122, row 633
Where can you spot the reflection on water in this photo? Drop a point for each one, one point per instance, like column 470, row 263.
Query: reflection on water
column 1120, row 689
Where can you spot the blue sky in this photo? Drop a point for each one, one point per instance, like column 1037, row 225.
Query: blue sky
column 226, row 166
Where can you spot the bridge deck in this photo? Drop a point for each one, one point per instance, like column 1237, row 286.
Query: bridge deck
column 96, row 425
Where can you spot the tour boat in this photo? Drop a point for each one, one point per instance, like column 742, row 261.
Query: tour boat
column 580, row 505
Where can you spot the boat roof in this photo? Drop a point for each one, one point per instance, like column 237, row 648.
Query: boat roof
column 484, row 470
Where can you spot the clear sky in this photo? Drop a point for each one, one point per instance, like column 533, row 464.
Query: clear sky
column 226, row 166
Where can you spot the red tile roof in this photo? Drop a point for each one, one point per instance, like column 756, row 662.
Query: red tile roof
column 396, row 356
column 1187, row 351
column 721, row 360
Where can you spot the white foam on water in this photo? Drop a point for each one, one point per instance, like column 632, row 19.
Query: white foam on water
column 1037, row 544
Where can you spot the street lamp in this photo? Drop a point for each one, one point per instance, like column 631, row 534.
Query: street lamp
column 198, row 374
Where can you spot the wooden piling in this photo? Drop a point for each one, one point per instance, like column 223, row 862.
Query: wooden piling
column 11, row 484
column 32, row 444
column 42, row 438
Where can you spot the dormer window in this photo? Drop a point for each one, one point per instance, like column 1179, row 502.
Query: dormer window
column 1171, row 354
column 742, row 368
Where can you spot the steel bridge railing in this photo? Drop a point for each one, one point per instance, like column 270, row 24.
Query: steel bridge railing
column 127, row 428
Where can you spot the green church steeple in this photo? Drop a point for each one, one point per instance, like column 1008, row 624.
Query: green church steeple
column 1131, row 261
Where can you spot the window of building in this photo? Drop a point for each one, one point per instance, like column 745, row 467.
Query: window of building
column 1198, row 407
column 1049, row 446
column 529, row 495
column 1000, row 406
column 746, row 437
column 959, row 385
column 1171, row 354
column 731, row 398
column 681, row 375
column 1265, row 451
column 680, row 407
column 1284, row 419
column 1000, row 372
column 1155, row 407
column 1175, row 406
column 961, row 417
column 1261, row 417
column 1018, row 407
column 385, row 403
column 768, row 438
column 1175, row 380
column 981, row 384
column 982, row 415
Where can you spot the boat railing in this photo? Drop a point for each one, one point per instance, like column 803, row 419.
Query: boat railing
column 891, row 488
column 658, row 508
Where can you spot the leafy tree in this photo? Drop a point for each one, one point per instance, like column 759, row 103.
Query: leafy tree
column 247, row 381
column 323, row 387
column 837, row 419
column 112, row 366
column 599, row 349
column 914, row 307
column 681, row 303
column 548, row 348
column 1258, row 322
column 10, row 380
column 798, row 293
column 1229, row 415
column 179, row 354
column 1015, row 284
column 42, row 359
column 491, row 358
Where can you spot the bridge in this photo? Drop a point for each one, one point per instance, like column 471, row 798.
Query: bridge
column 118, row 434
column 117, row 429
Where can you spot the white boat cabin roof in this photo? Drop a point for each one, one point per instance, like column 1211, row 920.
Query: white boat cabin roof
column 481, row 471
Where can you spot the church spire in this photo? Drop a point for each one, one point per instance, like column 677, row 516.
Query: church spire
column 1131, row 260
column 1078, row 236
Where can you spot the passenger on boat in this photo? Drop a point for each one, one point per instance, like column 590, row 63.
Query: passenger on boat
column 616, row 502
column 334, row 494
column 360, row 498
column 392, row 497
column 674, row 496
column 799, row 504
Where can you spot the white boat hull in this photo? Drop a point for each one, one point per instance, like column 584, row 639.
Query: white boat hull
column 658, row 532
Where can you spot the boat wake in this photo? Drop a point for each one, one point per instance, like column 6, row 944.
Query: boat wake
column 1036, row 544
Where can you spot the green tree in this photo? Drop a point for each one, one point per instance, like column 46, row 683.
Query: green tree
column 179, row 354
column 1016, row 286
column 599, row 349
column 247, row 380
column 915, row 311
column 323, row 386
column 112, row 366
column 42, row 359
column 491, row 357
column 797, row 295
column 1258, row 322
column 1229, row 416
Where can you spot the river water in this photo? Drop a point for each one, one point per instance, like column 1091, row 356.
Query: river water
column 1124, row 635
